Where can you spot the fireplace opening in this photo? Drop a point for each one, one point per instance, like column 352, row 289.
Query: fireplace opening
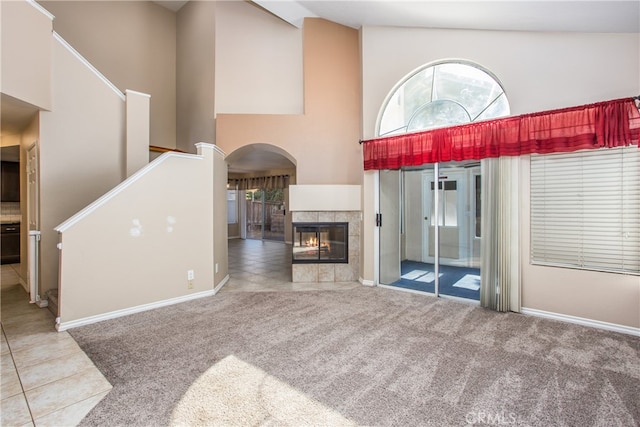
column 325, row 242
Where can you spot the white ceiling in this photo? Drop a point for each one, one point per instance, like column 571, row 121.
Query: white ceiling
column 171, row 4
column 610, row 16
column 506, row 15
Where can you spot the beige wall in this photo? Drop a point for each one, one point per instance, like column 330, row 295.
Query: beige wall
column 137, row 133
column 606, row 297
column 133, row 43
column 155, row 227
column 81, row 150
column 26, row 53
column 323, row 141
column 539, row 71
column 195, row 73
column 258, row 61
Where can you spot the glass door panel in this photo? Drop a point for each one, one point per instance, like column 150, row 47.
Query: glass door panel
column 413, row 203
column 459, row 239
column 389, row 226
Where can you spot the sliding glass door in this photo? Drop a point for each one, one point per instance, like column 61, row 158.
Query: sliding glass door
column 435, row 227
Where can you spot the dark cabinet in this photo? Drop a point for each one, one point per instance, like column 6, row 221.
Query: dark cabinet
column 9, row 243
column 10, row 175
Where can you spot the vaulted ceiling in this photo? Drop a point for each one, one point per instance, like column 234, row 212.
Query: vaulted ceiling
column 506, row 15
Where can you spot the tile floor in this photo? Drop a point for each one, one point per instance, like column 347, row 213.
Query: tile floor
column 47, row 380
column 265, row 266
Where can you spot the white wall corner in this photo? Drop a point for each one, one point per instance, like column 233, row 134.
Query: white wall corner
column 221, row 284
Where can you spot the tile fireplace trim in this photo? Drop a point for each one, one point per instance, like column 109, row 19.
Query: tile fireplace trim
column 322, row 272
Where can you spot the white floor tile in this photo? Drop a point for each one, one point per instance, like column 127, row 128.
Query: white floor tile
column 35, row 355
column 70, row 415
column 66, row 392
column 14, row 411
column 55, row 369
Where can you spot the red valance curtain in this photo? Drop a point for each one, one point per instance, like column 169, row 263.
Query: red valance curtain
column 605, row 124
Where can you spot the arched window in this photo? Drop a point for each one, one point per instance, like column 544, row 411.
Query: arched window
column 442, row 94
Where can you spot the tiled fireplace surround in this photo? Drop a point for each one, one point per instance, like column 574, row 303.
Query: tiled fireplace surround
column 331, row 272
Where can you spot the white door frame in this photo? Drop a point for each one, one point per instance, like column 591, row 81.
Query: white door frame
column 33, row 220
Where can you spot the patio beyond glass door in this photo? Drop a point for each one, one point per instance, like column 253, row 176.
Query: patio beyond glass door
column 451, row 216
column 458, row 224
column 431, row 229
column 265, row 214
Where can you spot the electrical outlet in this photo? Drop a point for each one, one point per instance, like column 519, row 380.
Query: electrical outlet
column 216, row 267
column 190, row 276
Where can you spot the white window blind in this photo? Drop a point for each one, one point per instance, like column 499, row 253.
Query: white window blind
column 585, row 209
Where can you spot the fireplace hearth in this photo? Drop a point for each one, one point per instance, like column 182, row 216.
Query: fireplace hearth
column 320, row 242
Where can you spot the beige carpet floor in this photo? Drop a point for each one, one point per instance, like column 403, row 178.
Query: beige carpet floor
column 365, row 356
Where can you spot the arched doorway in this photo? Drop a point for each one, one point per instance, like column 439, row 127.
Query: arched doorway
column 257, row 198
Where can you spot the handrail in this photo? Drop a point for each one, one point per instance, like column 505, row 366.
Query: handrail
column 157, row 149
column 82, row 59
column 41, row 9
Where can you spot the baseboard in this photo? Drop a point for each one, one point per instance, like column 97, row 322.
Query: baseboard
column 63, row 326
column 221, row 284
column 411, row 291
column 582, row 321
column 366, row 282
column 24, row 285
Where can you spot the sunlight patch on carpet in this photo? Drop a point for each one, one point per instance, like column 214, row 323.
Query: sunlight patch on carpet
column 235, row 393
column 469, row 281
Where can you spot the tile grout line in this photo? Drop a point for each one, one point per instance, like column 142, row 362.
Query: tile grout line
column 61, row 378
column 74, row 403
column 13, row 360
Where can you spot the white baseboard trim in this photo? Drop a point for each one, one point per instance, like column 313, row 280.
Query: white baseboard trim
column 24, row 285
column 411, row 291
column 366, row 282
column 63, row 326
column 582, row 321
column 221, row 284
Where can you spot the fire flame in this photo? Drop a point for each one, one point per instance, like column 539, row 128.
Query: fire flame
column 313, row 241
